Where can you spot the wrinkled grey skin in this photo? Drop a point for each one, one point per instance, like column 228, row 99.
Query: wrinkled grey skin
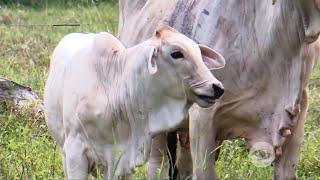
column 269, row 51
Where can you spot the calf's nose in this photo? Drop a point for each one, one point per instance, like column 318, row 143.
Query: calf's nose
column 218, row 91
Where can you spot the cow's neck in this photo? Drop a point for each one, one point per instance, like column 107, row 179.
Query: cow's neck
column 261, row 43
column 286, row 31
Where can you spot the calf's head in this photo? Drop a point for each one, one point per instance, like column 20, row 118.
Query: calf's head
column 183, row 67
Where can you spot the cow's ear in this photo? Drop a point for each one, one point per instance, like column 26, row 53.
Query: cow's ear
column 211, row 58
column 151, row 59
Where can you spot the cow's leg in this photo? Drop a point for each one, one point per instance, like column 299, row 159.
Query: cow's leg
column 63, row 155
column 110, row 169
column 202, row 144
column 75, row 159
column 158, row 164
column 106, row 172
column 285, row 164
column 184, row 160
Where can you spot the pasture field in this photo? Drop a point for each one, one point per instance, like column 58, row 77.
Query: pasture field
column 26, row 149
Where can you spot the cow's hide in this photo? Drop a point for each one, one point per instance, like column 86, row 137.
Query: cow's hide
column 269, row 54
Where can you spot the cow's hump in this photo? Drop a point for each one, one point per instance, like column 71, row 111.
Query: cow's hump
column 105, row 42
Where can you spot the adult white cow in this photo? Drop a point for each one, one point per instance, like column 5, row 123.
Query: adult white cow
column 269, row 53
column 103, row 102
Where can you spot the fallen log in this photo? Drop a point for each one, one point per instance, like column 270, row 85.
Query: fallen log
column 16, row 96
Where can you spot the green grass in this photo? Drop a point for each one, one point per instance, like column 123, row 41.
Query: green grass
column 26, row 149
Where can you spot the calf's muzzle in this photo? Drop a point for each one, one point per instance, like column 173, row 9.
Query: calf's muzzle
column 218, row 91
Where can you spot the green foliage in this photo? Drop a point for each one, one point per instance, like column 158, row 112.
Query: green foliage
column 27, row 151
column 234, row 163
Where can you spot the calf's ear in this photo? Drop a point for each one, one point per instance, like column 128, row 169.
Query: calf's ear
column 211, row 58
column 151, row 59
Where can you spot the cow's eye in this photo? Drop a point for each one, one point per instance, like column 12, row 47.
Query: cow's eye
column 177, row 55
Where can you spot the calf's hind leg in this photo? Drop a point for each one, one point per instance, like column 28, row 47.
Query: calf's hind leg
column 76, row 161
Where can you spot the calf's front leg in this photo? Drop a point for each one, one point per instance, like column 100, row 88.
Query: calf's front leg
column 76, row 161
column 202, row 145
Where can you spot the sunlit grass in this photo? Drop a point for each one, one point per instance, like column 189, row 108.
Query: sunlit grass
column 27, row 40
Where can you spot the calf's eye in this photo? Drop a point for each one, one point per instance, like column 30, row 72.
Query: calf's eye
column 177, row 55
